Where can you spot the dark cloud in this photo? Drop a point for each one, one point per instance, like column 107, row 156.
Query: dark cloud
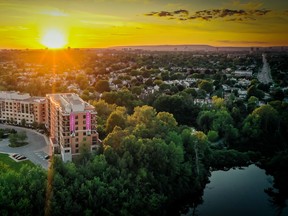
column 261, row 12
column 224, row 14
column 164, row 14
column 180, row 13
column 160, row 14
column 151, row 14
column 186, row 12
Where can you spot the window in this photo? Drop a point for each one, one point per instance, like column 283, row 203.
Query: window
column 67, row 151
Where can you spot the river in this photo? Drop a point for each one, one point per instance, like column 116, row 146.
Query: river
column 238, row 192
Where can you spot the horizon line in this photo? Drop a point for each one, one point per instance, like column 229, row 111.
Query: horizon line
column 148, row 45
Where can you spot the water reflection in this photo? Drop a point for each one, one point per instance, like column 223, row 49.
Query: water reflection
column 239, row 192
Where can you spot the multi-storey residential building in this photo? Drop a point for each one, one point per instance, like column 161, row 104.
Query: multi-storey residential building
column 71, row 123
column 16, row 107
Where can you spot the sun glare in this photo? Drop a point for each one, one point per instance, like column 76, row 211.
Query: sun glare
column 54, row 39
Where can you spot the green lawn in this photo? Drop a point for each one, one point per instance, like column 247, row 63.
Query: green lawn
column 7, row 162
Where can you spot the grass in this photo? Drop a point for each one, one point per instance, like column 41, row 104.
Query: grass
column 7, row 163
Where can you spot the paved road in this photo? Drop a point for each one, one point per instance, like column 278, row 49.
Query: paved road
column 35, row 151
column 264, row 76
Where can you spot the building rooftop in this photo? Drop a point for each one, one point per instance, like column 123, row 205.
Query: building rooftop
column 16, row 95
column 13, row 95
column 70, row 102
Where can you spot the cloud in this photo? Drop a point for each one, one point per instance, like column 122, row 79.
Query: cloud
column 181, row 11
column 169, row 14
column 261, row 12
column 208, row 15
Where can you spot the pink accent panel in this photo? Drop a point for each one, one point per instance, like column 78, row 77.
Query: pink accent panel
column 88, row 121
column 72, row 122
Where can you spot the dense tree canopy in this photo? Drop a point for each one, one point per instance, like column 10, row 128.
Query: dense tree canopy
column 102, row 86
column 145, row 165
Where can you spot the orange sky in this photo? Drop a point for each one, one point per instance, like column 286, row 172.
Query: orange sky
column 103, row 23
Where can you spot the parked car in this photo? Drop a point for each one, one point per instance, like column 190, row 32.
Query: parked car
column 15, row 155
column 22, row 158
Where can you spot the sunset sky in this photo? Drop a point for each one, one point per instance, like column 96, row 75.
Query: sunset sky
column 105, row 23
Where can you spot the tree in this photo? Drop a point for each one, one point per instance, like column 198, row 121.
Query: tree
column 85, row 153
column 205, row 120
column 18, row 139
column 269, row 120
column 212, row 136
column 261, row 130
column 219, row 121
column 124, row 97
column 201, row 94
column 206, row 86
column 180, row 105
column 218, row 102
column 116, row 118
column 191, row 91
column 102, row 86
column 103, row 109
column 253, row 91
column 19, row 188
column 252, row 103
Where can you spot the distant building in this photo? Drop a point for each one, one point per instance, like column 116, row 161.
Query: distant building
column 239, row 73
column 16, row 107
column 71, row 123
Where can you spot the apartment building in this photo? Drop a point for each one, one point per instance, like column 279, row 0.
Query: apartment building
column 71, row 123
column 16, row 107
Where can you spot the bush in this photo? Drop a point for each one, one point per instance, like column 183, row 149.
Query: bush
column 17, row 140
column 213, row 136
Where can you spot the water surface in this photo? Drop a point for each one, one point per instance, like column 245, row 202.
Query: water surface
column 238, row 192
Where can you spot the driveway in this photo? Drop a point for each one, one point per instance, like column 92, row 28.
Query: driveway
column 35, row 151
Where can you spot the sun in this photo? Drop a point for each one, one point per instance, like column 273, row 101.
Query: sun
column 54, row 39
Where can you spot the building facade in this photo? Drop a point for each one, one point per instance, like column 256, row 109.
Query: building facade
column 71, row 123
column 18, row 108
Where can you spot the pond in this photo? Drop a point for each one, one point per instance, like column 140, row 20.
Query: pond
column 238, row 192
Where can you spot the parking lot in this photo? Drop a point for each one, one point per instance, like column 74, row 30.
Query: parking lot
column 36, row 150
